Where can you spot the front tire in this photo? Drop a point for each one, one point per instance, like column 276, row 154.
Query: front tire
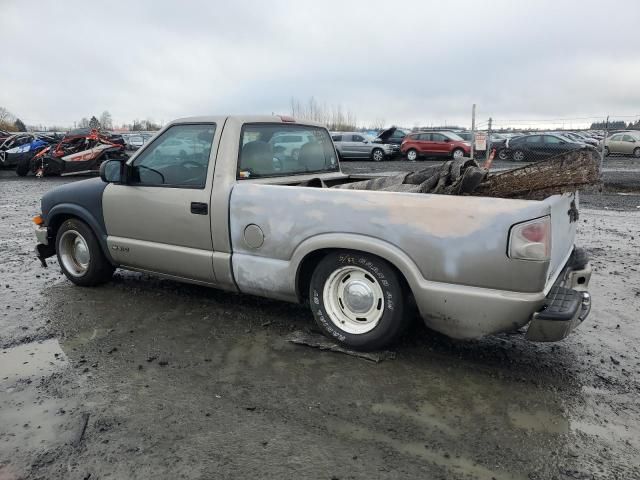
column 412, row 155
column 377, row 155
column 503, row 154
column 358, row 300
column 606, row 151
column 636, row 152
column 457, row 154
column 23, row 167
column 80, row 256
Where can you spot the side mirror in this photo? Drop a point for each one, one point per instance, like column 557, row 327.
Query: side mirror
column 112, row 171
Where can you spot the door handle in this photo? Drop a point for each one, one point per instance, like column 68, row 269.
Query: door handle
column 199, row 208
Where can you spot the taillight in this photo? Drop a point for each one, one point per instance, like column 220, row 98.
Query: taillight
column 531, row 240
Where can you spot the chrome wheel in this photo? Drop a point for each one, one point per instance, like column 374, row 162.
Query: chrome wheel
column 412, row 155
column 74, row 253
column 503, row 154
column 518, row 156
column 378, row 155
column 458, row 154
column 636, row 153
column 353, row 299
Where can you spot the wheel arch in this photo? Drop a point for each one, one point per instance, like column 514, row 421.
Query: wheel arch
column 62, row 212
column 313, row 250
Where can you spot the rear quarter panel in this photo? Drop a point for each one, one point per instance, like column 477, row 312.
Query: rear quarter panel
column 459, row 240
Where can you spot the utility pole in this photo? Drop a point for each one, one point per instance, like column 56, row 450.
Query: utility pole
column 488, row 152
column 473, row 130
column 604, row 142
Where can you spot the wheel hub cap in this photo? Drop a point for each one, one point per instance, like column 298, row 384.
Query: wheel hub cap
column 354, row 300
column 74, row 253
column 81, row 252
column 358, row 297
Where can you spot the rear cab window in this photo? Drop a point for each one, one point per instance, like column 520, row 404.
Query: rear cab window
column 278, row 150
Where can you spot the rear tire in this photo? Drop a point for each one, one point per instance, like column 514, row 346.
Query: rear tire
column 518, row 156
column 358, row 300
column 412, row 155
column 636, row 152
column 80, row 256
column 606, row 151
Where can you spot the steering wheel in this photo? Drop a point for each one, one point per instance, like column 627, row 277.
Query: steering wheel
column 153, row 170
column 191, row 162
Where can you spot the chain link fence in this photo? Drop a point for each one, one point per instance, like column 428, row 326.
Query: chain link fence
column 532, row 140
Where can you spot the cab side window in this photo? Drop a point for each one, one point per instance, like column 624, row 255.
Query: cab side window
column 177, row 158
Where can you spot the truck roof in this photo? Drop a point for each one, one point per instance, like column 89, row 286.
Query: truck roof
column 247, row 119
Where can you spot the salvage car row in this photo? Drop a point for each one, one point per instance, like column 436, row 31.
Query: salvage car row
column 518, row 147
column 81, row 151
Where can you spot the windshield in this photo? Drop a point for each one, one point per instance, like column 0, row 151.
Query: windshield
column 276, row 150
column 454, row 136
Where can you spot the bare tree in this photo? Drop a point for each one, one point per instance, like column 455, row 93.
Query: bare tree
column 377, row 124
column 83, row 123
column 106, row 121
column 6, row 119
column 334, row 118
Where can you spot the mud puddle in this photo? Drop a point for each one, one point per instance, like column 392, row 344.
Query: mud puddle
column 33, row 419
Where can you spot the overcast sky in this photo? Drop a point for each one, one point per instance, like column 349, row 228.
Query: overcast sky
column 406, row 62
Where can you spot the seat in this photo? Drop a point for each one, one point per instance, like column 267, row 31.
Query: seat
column 257, row 157
column 312, row 157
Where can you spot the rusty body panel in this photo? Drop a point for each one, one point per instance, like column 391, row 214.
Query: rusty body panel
column 451, row 250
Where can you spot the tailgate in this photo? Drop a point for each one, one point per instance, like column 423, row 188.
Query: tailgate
column 564, row 220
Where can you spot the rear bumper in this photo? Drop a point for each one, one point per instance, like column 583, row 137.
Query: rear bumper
column 567, row 304
column 465, row 312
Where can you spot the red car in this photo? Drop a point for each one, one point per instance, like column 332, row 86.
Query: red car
column 434, row 144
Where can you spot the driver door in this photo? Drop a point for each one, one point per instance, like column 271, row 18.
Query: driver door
column 160, row 220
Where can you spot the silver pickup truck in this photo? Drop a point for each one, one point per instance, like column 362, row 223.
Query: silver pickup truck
column 227, row 202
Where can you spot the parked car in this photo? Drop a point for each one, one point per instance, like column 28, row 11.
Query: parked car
column 79, row 152
column 359, row 258
column 583, row 137
column 288, row 145
column 531, row 148
column 393, row 137
column 627, row 143
column 24, row 152
column 9, row 142
column 134, row 142
column 352, row 145
column 434, row 144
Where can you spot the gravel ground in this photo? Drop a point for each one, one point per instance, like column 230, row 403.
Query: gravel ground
column 148, row 378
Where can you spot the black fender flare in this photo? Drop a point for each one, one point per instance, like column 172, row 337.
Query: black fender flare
column 66, row 210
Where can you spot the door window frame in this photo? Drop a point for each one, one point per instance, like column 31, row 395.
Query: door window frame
column 147, row 145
